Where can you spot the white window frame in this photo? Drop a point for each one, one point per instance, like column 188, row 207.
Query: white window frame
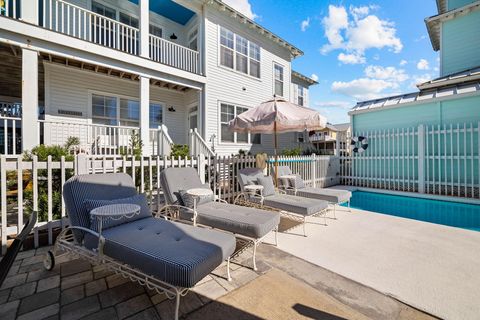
column 235, row 52
column 195, row 37
column 235, row 141
column 301, row 89
column 118, row 97
column 275, row 79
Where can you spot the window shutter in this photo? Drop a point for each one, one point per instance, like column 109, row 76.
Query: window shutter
column 305, row 98
column 295, row 94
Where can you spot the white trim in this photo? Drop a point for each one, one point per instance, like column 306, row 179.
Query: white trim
column 219, row 126
column 274, row 79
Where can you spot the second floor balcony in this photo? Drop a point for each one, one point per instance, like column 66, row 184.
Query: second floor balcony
column 173, row 36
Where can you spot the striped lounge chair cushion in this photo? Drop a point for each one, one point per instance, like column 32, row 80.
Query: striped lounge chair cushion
column 295, row 204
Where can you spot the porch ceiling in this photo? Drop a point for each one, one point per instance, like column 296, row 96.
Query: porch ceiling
column 170, row 10
column 72, row 63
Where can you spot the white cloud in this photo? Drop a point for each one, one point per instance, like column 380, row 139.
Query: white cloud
column 243, row 6
column 352, row 58
column 403, row 62
column 355, row 36
column 305, row 24
column 363, row 88
column 421, row 78
column 423, row 65
column 386, row 73
column 334, row 23
column 314, row 77
column 423, row 37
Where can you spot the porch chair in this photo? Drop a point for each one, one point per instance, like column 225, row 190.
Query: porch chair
column 249, row 224
column 293, row 207
column 165, row 256
column 296, row 186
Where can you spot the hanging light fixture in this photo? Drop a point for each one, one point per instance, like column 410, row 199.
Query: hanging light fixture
column 173, row 36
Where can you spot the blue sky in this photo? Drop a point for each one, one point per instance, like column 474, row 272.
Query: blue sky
column 359, row 50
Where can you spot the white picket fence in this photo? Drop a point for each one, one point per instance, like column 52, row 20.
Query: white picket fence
column 37, row 185
column 431, row 159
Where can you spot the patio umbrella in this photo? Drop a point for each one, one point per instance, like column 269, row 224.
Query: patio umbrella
column 278, row 116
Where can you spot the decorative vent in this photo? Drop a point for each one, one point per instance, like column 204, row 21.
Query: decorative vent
column 70, row 113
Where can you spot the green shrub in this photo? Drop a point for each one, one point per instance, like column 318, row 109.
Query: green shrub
column 71, row 141
column 180, row 150
column 42, row 152
column 292, row 152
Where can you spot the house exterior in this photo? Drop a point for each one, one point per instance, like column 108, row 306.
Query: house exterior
column 452, row 98
column 325, row 141
column 169, row 71
column 428, row 141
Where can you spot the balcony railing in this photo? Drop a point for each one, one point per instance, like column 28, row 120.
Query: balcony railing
column 75, row 21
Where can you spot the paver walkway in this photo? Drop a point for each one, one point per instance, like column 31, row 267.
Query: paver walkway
column 77, row 290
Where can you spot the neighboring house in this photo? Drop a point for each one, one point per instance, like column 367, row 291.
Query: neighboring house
column 171, row 71
column 325, row 141
column 451, row 99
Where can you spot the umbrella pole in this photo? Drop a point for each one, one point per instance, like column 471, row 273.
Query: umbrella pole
column 275, row 143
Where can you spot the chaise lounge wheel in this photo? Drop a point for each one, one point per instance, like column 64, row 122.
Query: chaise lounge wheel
column 49, row 261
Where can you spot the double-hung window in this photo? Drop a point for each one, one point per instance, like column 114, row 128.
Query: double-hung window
column 102, row 32
column 239, row 54
column 301, row 95
column 104, row 110
column 192, row 39
column 156, row 115
column 129, row 113
column 227, row 113
column 279, row 79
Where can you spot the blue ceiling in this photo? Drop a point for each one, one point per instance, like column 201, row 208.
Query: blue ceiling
column 171, row 10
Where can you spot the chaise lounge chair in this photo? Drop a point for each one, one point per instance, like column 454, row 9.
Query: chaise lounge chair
column 247, row 223
column 165, row 256
column 296, row 208
column 297, row 188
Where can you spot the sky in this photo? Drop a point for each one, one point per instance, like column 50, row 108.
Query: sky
column 357, row 50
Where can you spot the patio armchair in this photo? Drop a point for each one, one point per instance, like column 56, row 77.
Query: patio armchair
column 165, row 256
column 249, row 224
column 295, row 208
column 296, row 186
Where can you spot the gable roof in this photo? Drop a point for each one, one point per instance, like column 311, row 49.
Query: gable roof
column 304, row 78
column 221, row 6
column 434, row 23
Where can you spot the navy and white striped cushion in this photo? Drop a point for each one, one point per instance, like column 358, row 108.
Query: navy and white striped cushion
column 138, row 199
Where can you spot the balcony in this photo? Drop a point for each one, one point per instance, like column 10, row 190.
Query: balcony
column 319, row 137
column 67, row 18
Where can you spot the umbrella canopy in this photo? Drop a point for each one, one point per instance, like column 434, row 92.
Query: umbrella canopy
column 278, row 115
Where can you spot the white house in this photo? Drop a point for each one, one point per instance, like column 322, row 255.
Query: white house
column 172, row 71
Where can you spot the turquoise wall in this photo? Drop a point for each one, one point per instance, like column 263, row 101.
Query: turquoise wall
column 445, row 112
column 454, row 4
column 460, row 44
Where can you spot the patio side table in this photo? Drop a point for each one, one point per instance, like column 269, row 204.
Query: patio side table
column 197, row 194
column 114, row 212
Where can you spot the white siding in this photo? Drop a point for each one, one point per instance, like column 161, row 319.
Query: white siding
column 69, row 89
column 225, row 85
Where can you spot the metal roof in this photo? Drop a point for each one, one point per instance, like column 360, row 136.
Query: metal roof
column 455, row 78
column 423, row 96
column 342, row 126
column 220, row 5
column 434, row 23
column 300, row 76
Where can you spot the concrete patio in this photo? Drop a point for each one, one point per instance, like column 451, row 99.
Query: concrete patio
column 431, row 267
column 285, row 287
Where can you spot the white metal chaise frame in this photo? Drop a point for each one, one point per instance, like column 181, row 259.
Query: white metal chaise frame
column 67, row 243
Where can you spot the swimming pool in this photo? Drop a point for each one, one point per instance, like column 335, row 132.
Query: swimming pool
column 454, row 214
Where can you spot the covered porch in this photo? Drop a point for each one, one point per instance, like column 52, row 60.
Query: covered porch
column 105, row 109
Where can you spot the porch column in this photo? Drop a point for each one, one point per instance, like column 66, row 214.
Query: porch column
column 29, row 11
column 144, row 114
column 30, row 134
column 144, row 28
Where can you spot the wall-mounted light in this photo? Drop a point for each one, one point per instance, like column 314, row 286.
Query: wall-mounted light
column 171, row 109
column 173, row 36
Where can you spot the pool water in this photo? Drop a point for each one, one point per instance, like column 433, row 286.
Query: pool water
column 454, row 214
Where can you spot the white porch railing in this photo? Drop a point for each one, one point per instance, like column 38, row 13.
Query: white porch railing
column 160, row 141
column 199, row 146
column 174, row 55
column 10, row 8
column 94, row 139
column 64, row 17
column 10, row 128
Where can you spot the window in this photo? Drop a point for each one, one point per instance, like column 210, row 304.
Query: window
column 301, row 95
column 192, row 39
column 104, row 10
column 156, row 115
column 256, row 138
column 129, row 113
column 103, row 33
column 301, row 137
column 278, row 80
column 117, row 111
column 104, row 110
column 156, row 31
column 227, row 113
column 128, row 20
column 238, row 53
